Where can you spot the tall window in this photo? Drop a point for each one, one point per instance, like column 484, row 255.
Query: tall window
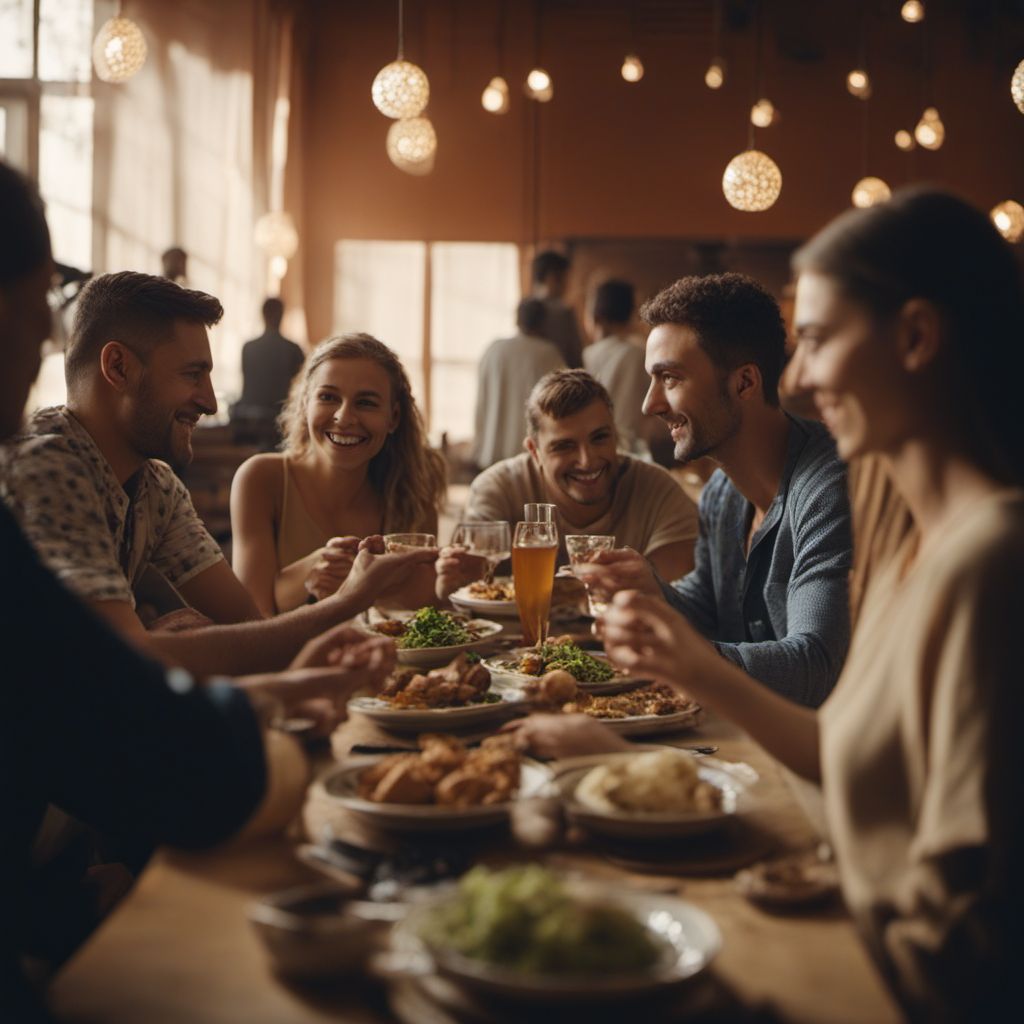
column 438, row 305
column 46, row 112
column 46, row 130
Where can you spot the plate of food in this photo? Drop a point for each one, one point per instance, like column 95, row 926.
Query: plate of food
column 656, row 794
column 443, row 786
column 497, row 599
column 430, row 637
column 457, row 696
column 592, row 673
column 647, row 709
column 527, row 933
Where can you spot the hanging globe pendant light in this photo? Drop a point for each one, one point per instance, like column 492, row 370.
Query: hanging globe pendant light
column 412, row 145
column 1017, row 87
column 869, row 191
column 119, row 50
column 401, row 89
column 752, row 181
column 1008, row 218
column 495, row 98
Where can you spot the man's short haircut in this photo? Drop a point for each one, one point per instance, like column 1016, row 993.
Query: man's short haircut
column 548, row 262
column 736, row 321
column 25, row 245
column 563, row 393
column 138, row 310
column 613, row 302
column 273, row 311
column 530, row 316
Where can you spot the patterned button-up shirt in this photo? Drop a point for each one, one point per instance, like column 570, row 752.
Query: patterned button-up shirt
column 95, row 535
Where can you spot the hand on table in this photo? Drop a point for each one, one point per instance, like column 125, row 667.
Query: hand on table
column 332, row 567
column 562, row 735
column 455, row 568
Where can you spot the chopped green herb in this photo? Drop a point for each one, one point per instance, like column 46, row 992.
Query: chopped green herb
column 583, row 667
column 432, row 628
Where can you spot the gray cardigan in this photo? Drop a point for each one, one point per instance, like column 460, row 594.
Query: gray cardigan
column 783, row 613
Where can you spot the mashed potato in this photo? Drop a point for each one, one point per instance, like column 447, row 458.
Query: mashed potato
column 659, row 781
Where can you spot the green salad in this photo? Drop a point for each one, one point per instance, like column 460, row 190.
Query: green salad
column 570, row 657
column 432, row 628
column 525, row 918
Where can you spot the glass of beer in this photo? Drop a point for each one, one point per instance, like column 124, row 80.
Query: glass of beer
column 582, row 547
column 534, row 549
column 538, row 512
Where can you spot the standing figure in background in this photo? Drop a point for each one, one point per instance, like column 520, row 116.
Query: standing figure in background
column 269, row 365
column 509, row 368
column 550, row 273
column 355, row 462
column 617, row 361
column 175, row 265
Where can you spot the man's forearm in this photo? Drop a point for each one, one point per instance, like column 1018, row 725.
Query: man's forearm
column 248, row 647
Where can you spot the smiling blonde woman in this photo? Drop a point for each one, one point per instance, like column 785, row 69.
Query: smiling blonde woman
column 354, row 462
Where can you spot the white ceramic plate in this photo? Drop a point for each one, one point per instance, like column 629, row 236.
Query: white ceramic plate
column 503, row 670
column 632, row 725
column 690, row 937
column 734, row 781
column 412, row 720
column 342, row 785
column 434, row 657
column 466, row 602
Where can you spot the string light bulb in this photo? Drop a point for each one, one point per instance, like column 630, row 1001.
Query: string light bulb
column 400, row 90
column 714, row 77
column 412, row 145
column 495, row 98
column 858, row 83
column 1008, row 218
column 632, row 68
column 275, row 234
column 912, row 11
column 1017, row 87
column 119, row 50
column 539, row 86
column 763, row 114
column 930, row 131
column 904, row 140
column 752, row 181
column 869, row 191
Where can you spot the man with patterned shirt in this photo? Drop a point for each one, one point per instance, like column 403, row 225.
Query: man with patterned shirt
column 91, row 487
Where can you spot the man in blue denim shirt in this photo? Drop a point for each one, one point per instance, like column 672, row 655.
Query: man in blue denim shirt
column 769, row 588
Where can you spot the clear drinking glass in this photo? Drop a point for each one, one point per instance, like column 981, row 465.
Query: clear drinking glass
column 491, row 541
column 538, row 512
column 582, row 547
column 534, row 550
column 408, row 541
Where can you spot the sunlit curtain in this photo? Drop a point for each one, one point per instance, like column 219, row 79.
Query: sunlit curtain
column 184, row 153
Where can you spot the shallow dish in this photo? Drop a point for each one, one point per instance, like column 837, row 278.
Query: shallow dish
column 341, row 785
column 734, row 781
column 466, row 602
column 502, row 703
column 434, row 657
column 690, row 937
column 503, row 669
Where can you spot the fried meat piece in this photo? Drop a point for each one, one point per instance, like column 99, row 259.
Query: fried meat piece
column 406, row 783
column 389, row 627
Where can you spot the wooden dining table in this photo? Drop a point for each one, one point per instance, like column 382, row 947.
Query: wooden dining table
column 180, row 949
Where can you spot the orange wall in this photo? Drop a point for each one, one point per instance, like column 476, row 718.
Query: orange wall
column 613, row 160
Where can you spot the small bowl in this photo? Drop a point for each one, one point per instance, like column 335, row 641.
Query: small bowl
column 317, row 931
column 790, row 882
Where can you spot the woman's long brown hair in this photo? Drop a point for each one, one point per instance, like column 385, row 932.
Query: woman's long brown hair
column 407, row 473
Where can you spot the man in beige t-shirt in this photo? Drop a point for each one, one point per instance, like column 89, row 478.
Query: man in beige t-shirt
column 571, row 462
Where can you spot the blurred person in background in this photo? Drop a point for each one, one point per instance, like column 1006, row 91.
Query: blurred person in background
column 549, row 272
column 616, row 359
column 508, row 370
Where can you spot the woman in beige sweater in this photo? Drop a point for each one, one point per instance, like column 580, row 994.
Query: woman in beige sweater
column 910, row 318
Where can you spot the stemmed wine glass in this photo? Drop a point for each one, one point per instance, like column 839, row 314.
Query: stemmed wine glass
column 491, row 541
